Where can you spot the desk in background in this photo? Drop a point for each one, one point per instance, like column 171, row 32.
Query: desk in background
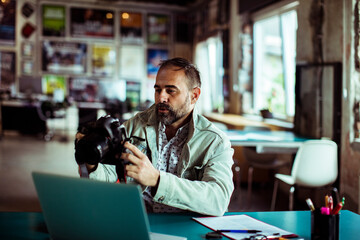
column 234, row 121
column 22, row 116
column 266, row 141
column 31, row 225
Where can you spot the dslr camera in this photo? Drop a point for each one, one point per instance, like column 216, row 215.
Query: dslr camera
column 103, row 142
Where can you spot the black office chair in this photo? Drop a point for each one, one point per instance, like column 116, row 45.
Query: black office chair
column 49, row 110
column 268, row 161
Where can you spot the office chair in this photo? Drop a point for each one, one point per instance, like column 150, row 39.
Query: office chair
column 259, row 160
column 49, row 110
column 315, row 166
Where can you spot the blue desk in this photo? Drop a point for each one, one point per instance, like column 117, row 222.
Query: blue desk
column 267, row 141
column 31, row 225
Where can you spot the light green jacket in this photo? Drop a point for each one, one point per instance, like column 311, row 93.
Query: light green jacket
column 204, row 183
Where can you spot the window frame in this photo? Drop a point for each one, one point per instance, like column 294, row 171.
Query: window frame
column 274, row 10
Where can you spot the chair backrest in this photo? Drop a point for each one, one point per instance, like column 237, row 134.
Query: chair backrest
column 316, row 163
column 250, row 152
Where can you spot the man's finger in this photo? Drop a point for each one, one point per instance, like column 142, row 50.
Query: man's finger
column 132, row 168
column 131, row 158
column 134, row 149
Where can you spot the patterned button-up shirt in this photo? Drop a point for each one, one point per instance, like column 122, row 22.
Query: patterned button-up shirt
column 169, row 153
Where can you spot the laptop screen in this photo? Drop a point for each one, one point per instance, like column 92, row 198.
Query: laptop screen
column 78, row 208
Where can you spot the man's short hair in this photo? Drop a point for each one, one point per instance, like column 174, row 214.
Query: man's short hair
column 191, row 72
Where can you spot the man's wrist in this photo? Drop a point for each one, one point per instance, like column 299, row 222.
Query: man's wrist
column 154, row 188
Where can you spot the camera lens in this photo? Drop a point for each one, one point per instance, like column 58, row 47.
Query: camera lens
column 91, row 149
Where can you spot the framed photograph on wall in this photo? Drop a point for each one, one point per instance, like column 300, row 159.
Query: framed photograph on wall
column 53, row 20
column 103, row 60
column 110, row 90
column 131, row 27
column 158, row 28
column 64, row 57
column 27, row 49
column 52, row 83
column 154, row 57
column 83, row 89
column 132, row 62
column 86, row 22
column 133, row 91
column 27, row 67
column 7, row 22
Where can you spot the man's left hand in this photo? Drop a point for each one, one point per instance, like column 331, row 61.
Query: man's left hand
column 141, row 168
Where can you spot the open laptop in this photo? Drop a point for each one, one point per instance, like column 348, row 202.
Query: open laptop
column 78, row 208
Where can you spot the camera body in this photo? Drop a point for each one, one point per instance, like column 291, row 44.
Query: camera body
column 102, row 142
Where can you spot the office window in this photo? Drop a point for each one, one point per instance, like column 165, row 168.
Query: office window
column 274, row 63
column 208, row 59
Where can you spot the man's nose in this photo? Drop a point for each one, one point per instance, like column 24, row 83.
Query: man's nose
column 163, row 96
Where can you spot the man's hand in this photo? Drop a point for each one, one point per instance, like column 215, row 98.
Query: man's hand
column 141, row 169
column 89, row 167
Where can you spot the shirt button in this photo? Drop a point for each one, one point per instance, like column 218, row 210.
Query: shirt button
column 161, row 198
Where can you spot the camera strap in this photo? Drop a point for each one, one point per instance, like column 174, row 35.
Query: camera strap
column 84, row 173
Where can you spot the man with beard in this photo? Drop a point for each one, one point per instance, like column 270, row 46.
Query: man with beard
column 185, row 162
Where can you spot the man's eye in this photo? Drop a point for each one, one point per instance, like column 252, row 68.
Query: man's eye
column 170, row 91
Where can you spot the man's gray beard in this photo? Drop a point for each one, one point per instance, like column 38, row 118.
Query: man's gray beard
column 172, row 116
column 167, row 119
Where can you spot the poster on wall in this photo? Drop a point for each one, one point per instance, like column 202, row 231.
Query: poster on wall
column 52, row 84
column 7, row 22
column 154, row 57
column 132, row 62
column 27, row 49
column 103, row 60
column 110, row 91
column 158, row 28
column 64, row 57
column 83, row 89
column 131, row 28
column 27, row 67
column 91, row 23
column 7, row 68
column 53, row 20
column 133, row 90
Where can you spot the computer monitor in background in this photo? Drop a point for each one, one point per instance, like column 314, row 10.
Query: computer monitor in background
column 112, row 90
column 82, row 89
column 113, row 94
column 30, row 85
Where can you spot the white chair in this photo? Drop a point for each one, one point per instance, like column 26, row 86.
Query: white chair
column 268, row 161
column 315, row 166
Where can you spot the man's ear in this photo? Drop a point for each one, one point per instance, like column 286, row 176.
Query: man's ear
column 195, row 95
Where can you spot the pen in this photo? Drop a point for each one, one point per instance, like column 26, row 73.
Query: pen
column 335, row 194
column 326, row 200
column 310, row 204
column 331, row 203
column 239, row 231
column 338, row 207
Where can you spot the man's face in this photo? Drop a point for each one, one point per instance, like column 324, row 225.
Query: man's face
column 173, row 98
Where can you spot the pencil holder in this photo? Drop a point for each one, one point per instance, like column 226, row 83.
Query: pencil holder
column 324, row 226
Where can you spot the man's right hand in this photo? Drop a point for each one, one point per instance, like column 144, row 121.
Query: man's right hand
column 89, row 167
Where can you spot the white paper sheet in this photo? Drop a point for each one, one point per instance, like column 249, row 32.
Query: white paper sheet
column 240, row 222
